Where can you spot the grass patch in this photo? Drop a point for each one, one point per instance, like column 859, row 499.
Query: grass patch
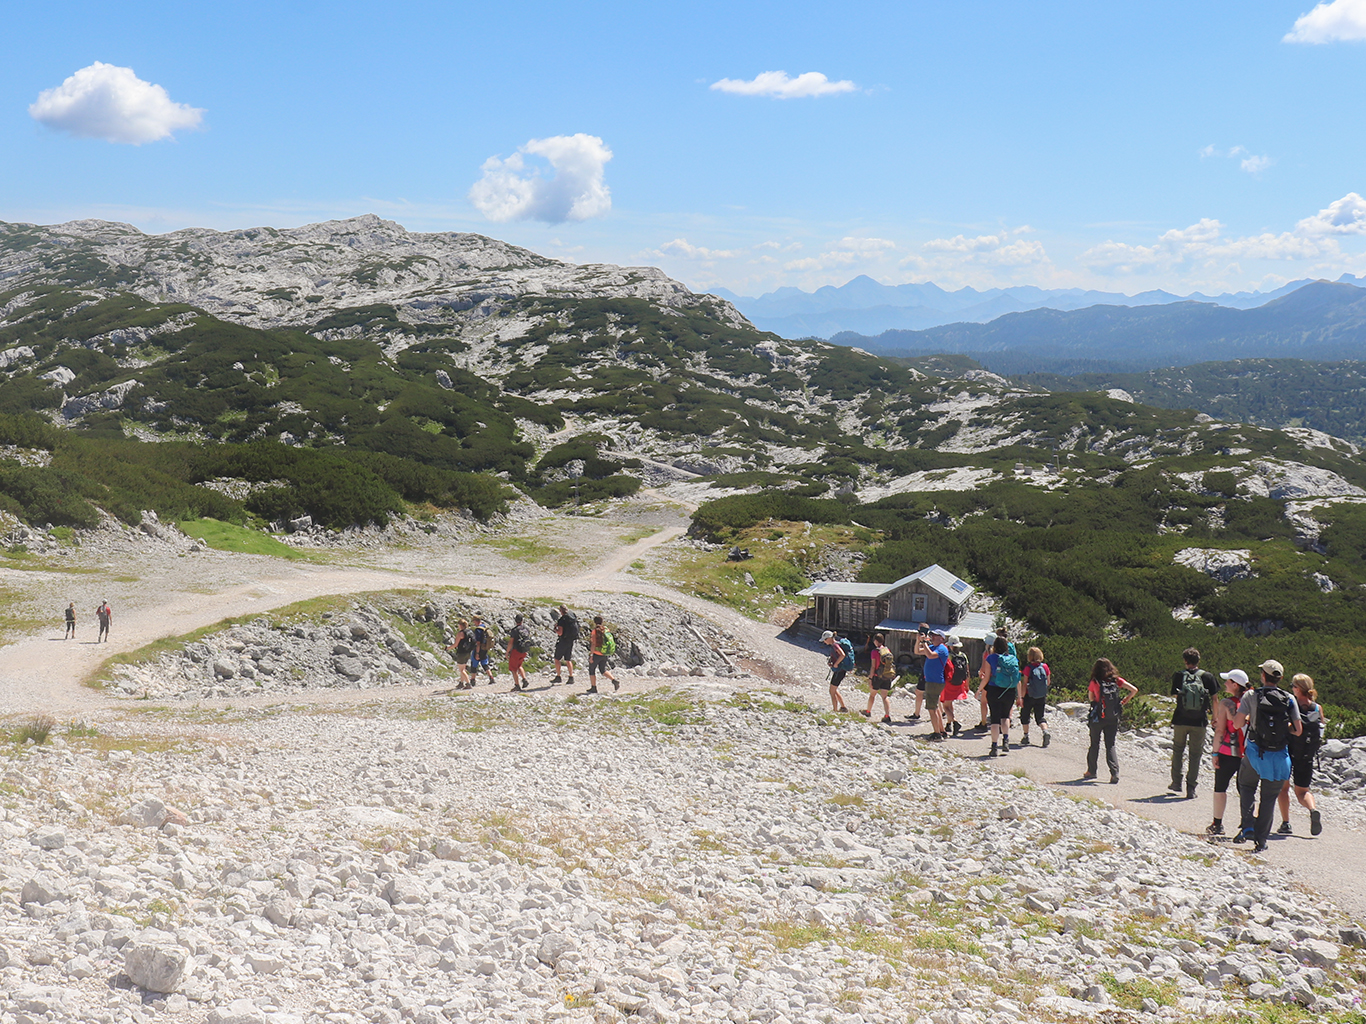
column 227, row 537
column 524, row 549
column 36, row 729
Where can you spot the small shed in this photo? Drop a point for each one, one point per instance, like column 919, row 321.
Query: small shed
column 932, row 597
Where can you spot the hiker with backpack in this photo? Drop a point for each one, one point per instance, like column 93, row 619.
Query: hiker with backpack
column 601, row 645
column 1194, row 690
column 1228, row 744
column 932, row 648
column 460, row 651
column 482, row 638
column 1107, row 706
column 566, row 635
column 841, row 662
column 881, row 675
column 1303, row 749
column 955, row 684
column 1033, row 697
column 519, row 645
column 1269, row 717
column 1001, row 682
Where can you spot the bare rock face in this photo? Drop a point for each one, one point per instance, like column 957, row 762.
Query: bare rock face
column 1225, row 566
column 156, row 968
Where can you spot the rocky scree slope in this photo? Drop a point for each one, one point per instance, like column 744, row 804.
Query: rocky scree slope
column 684, row 856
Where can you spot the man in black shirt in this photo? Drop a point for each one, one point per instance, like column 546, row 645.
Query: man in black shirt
column 566, row 633
column 1194, row 690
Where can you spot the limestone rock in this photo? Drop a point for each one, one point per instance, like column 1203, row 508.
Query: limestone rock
column 156, row 967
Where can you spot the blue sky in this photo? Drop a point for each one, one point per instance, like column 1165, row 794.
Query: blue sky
column 1120, row 146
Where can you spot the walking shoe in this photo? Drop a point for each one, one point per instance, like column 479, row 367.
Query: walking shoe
column 1088, row 775
column 957, row 728
column 1285, row 829
column 1024, row 740
column 1114, row 780
column 1315, row 823
column 995, row 751
column 912, row 718
column 1244, row 834
column 886, row 719
column 591, row 689
column 556, row 681
column 1175, row 787
column 615, row 685
column 1190, row 792
column 866, row 714
column 1005, row 748
column 1045, row 739
column 1216, row 828
column 569, row 681
column 1259, row 847
column 1005, row 742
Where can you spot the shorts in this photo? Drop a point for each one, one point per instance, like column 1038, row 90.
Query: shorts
column 879, row 684
column 953, row 692
column 932, row 693
column 477, row 663
column 1000, row 702
column 564, row 649
column 515, row 659
column 1301, row 771
column 920, row 685
column 1225, row 768
column 597, row 664
column 837, row 676
column 1034, row 706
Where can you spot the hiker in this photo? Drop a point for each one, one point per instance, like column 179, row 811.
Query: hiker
column 1303, row 749
column 461, row 650
column 881, row 675
column 931, row 647
column 566, row 635
column 70, row 622
column 1001, row 681
column 482, row 637
column 1106, row 707
column 1194, row 690
column 104, row 615
column 601, row 645
column 1227, row 743
column 914, row 716
column 840, row 660
column 519, row 643
column 1268, row 717
column 957, row 688
column 1033, row 696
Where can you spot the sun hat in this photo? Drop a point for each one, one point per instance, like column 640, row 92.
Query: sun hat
column 952, row 641
column 1272, row 668
column 1237, row 675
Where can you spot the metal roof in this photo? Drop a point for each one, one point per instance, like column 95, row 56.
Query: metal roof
column 935, row 577
column 972, row 626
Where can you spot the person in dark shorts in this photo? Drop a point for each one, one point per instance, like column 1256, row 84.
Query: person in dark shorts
column 104, row 615
column 483, row 645
column 1228, row 744
column 930, row 646
column 1033, row 696
column 460, row 651
column 1000, row 681
column 566, row 635
column 1302, row 750
column 881, row 676
column 841, row 662
column 597, row 657
column 70, row 622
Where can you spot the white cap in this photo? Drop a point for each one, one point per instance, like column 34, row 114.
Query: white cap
column 827, row 635
column 1237, row 675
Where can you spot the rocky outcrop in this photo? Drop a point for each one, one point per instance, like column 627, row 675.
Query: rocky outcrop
column 1224, row 565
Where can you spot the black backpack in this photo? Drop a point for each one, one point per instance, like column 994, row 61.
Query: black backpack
column 1273, row 719
column 569, row 623
column 1110, row 704
column 521, row 638
column 1193, row 695
column 1307, row 743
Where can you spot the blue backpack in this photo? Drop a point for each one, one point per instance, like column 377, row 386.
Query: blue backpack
column 1007, row 671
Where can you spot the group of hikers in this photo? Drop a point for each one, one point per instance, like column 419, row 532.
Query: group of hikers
column 473, row 647
column 1263, row 736
column 104, row 615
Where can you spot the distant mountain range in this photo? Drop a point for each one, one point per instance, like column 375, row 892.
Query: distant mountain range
column 1319, row 320
column 863, row 306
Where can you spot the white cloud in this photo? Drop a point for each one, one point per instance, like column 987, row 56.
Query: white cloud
column 1346, row 216
column 1255, row 164
column 866, row 245
column 574, row 189
column 681, row 248
column 780, row 86
column 111, row 103
column 1338, row 21
column 984, row 250
column 1250, row 162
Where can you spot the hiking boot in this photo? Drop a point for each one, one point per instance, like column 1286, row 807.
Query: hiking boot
column 1088, row 775
column 1190, row 792
column 591, row 689
column 1114, row 780
column 556, row 681
column 1244, row 834
column 994, row 751
column 1216, row 828
column 615, row 686
column 1285, row 829
column 1005, row 743
column 1005, row 748
column 912, row 718
column 866, row 714
column 1259, row 847
column 886, row 719
column 1045, row 739
column 569, row 681
column 1024, row 740
column 1315, row 823
column 1175, row 787
column 957, row 728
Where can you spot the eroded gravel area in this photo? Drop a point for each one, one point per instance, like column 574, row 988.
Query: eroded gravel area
column 684, row 855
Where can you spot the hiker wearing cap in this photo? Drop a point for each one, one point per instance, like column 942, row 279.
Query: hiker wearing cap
column 955, row 689
column 841, row 662
column 1194, row 690
column 1303, row 748
column 881, row 675
column 930, row 646
column 1269, row 717
column 519, row 644
column 1228, row 743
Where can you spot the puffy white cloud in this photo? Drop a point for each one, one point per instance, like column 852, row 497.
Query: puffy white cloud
column 108, row 102
column 681, row 248
column 868, row 245
column 1338, row 21
column 780, row 86
column 1255, row 164
column 573, row 190
column 1346, row 216
column 996, row 250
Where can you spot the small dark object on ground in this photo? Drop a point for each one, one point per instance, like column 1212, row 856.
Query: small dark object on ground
column 738, row 555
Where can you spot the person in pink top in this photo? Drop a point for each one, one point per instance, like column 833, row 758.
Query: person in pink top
column 1228, row 744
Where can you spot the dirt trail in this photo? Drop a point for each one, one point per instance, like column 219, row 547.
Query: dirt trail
column 43, row 674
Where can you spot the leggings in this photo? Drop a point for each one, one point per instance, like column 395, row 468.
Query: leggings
column 1224, row 771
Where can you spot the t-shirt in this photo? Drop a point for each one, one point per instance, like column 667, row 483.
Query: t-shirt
column 842, row 655
column 1248, row 706
column 1181, row 716
column 934, row 667
column 568, row 624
